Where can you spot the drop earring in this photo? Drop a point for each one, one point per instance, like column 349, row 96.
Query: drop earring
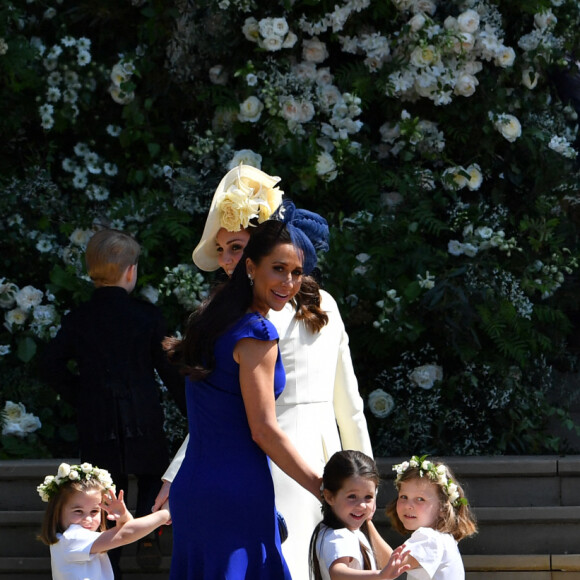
column 251, row 279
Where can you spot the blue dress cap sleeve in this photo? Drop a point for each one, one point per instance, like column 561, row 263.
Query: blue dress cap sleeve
column 260, row 328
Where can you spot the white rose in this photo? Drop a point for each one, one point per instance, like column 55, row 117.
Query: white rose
column 271, row 43
column 484, row 232
column 505, row 56
column 545, row 19
column 509, row 127
column 290, row 109
column 86, row 467
column 425, row 376
column 425, row 465
column 251, row 30
column 417, row 22
column 28, row 297
column 73, row 475
column 475, row 177
column 326, row 167
column 63, row 471
column 280, row 26
column 380, row 403
column 251, row 110
column 423, row 56
column 464, row 42
column 15, row 317
column 80, row 237
column 530, row 78
column 30, row 423
column 8, row 292
column 314, row 50
column 465, row 85
column 468, row 21
column 247, row 157
column 218, row 75
column 290, row 40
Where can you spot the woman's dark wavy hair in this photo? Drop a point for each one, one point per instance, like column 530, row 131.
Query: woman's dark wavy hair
column 225, row 306
column 341, row 466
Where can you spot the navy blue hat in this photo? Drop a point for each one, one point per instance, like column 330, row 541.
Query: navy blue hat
column 308, row 230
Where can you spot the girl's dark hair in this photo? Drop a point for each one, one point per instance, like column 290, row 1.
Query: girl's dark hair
column 458, row 520
column 341, row 466
column 225, row 306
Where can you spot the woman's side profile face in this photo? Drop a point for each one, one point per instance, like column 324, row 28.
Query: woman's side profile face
column 276, row 278
column 230, row 247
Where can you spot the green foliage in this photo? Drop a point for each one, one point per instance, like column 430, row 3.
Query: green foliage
column 454, row 246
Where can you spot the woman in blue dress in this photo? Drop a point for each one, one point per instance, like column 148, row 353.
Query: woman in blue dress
column 222, row 500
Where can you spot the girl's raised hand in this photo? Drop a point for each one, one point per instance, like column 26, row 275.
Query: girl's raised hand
column 397, row 564
column 115, row 507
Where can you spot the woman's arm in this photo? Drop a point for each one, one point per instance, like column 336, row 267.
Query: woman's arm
column 169, row 476
column 257, row 360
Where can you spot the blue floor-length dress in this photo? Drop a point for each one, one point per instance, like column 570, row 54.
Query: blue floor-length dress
column 222, row 499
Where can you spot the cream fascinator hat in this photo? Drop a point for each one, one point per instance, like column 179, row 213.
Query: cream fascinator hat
column 244, row 194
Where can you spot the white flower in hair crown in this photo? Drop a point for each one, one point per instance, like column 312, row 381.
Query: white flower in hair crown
column 85, row 472
column 246, row 199
column 437, row 473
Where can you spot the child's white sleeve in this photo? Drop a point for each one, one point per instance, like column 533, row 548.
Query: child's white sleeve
column 76, row 543
column 427, row 547
column 335, row 544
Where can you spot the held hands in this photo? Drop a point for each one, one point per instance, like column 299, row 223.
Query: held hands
column 397, row 564
column 115, row 507
column 162, row 499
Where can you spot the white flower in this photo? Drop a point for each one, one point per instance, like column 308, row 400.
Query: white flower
column 80, row 237
column 218, row 75
column 380, row 403
column 28, row 297
column 505, row 56
column 251, row 29
column 8, row 292
column 15, row 317
column 465, row 85
column 530, row 78
column 545, row 19
column 150, row 294
column 455, row 247
column 86, row 467
column 314, row 51
column 475, row 177
column 423, row 56
column 251, row 110
column 326, row 167
column 468, row 21
column 247, row 157
column 425, row 376
column 509, row 127
column 63, row 471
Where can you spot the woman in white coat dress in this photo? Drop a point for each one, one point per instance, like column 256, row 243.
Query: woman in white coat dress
column 320, row 408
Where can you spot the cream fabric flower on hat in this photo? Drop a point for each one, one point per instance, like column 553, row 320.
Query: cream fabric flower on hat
column 245, row 193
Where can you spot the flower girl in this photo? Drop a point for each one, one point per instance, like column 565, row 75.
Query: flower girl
column 74, row 526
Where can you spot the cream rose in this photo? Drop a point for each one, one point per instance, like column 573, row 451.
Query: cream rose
column 509, row 127
column 426, row 375
column 468, row 21
column 314, row 50
column 380, row 403
column 251, row 110
column 465, row 85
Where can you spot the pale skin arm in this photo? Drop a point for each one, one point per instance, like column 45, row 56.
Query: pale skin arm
column 128, row 529
column 397, row 565
column 257, row 360
column 383, row 551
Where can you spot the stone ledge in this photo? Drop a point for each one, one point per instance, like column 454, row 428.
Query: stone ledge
column 566, row 562
column 507, row 562
column 491, row 466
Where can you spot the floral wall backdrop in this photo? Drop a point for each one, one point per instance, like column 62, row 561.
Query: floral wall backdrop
column 439, row 138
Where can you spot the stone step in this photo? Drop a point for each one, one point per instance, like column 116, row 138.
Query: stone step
column 507, row 567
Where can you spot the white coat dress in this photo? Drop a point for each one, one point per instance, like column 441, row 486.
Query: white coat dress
column 320, row 410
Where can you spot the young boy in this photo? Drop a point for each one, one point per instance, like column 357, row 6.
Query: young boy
column 115, row 341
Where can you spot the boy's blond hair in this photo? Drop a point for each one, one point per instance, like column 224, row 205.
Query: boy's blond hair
column 109, row 253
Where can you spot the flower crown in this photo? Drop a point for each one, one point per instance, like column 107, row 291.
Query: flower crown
column 246, row 199
column 437, row 473
column 85, row 472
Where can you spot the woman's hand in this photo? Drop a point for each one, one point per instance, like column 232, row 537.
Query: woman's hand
column 162, row 499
